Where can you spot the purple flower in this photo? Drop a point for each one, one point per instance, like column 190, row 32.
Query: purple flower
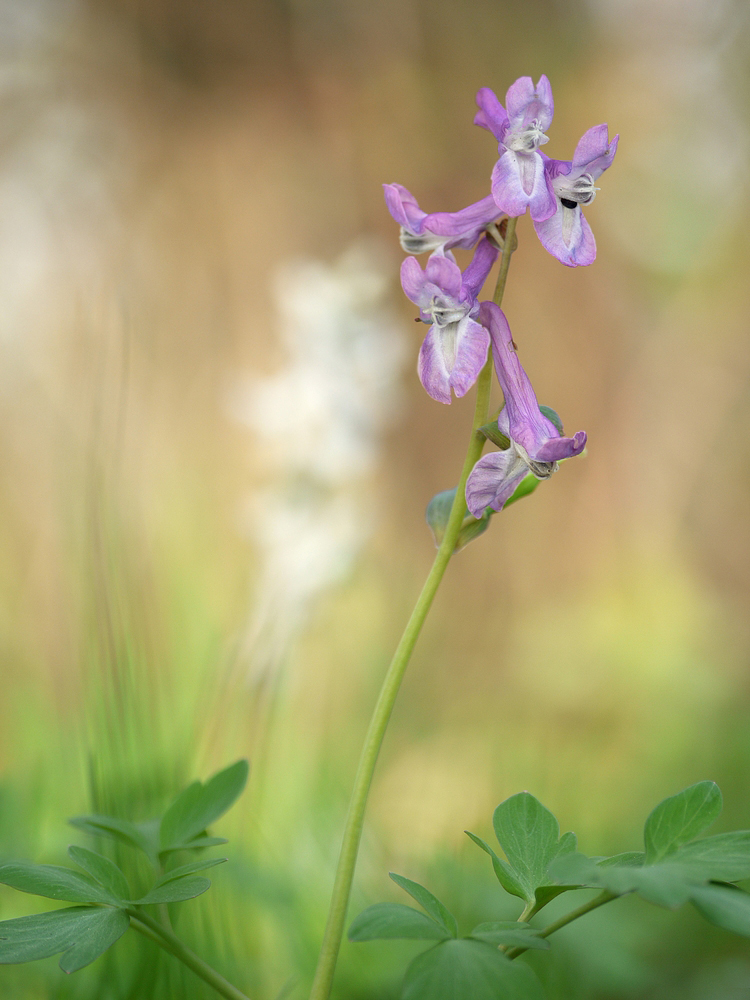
column 536, row 444
column 566, row 234
column 455, row 348
column 421, row 232
column 519, row 180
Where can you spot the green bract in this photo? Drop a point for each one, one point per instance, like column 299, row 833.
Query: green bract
column 83, row 933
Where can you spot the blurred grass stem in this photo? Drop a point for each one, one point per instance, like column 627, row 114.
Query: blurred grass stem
column 334, row 931
column 164, row 937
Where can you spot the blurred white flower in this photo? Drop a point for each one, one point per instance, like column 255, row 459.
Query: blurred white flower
column 318, row 425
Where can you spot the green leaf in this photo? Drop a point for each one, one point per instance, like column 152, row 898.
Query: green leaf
column 440, row 913
column 681, row 818
column 26, row 939
column 176, row 891
column 395, row 920
column 472, row 528
column 550, row 414
column 493, row 433
column 465, row 969
column 663, row 884
column 103, row 870
column 100, row 935
column 628, row 858
column 197, row 843
column 524, row 488
column 507, row 932
column 438, row 513
column 529, row 834
column 727, row 908
column 574, row 869
column 54, row 883
column 198, row 806
column 117, row 829
column 567, row 844
column 196, row 866
column 505, row 875
column 724, row 857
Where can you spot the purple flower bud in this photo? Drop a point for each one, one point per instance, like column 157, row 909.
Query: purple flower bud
column 421, row 232
column 536, row 445
column 455, row 348
column 566, row 234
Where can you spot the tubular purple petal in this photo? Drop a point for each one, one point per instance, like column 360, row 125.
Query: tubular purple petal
column 481, row 264
column 557, row 449
column 525, row 423
column 527, row 103
column 491, row 114
column 443, row 271
column 403, row 207
column 493, row 481
column 594, row 152
column 412, row 279
column 567, row 236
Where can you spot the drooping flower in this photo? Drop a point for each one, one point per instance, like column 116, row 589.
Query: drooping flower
column 519, row 180
column 422, row 232
column 455, row 348
column 566, row 234
column 536, row 444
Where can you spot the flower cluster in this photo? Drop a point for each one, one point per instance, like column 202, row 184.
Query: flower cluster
column 462, row 328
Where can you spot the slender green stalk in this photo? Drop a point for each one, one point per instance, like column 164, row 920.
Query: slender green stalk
column 600, row 900
column 528, row 912
column 164, row 937
column 334, row 931
column 508, row 248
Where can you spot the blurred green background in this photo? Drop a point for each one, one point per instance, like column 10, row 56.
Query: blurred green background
column 202, row 557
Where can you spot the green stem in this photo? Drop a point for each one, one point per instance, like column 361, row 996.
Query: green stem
column 600, row 900
column 164, row 937
column 528, row 912
column 329, row 950
column 510, row 234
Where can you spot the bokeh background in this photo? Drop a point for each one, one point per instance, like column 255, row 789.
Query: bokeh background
column 216, row 458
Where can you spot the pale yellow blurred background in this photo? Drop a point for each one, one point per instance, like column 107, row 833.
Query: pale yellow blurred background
column 215, row 468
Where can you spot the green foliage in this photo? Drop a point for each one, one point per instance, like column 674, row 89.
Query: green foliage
column 681, row 818
column 389, row 921
column 200, row 805
column 127, row 833
column 54, row 883
column 465, row 968
column 675, row 868
column 104, row 871
column 439, row 913
column 511, row 933
column 530, row 837
column 83, row 933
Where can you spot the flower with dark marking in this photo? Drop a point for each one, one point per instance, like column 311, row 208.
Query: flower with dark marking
column 566, row 234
